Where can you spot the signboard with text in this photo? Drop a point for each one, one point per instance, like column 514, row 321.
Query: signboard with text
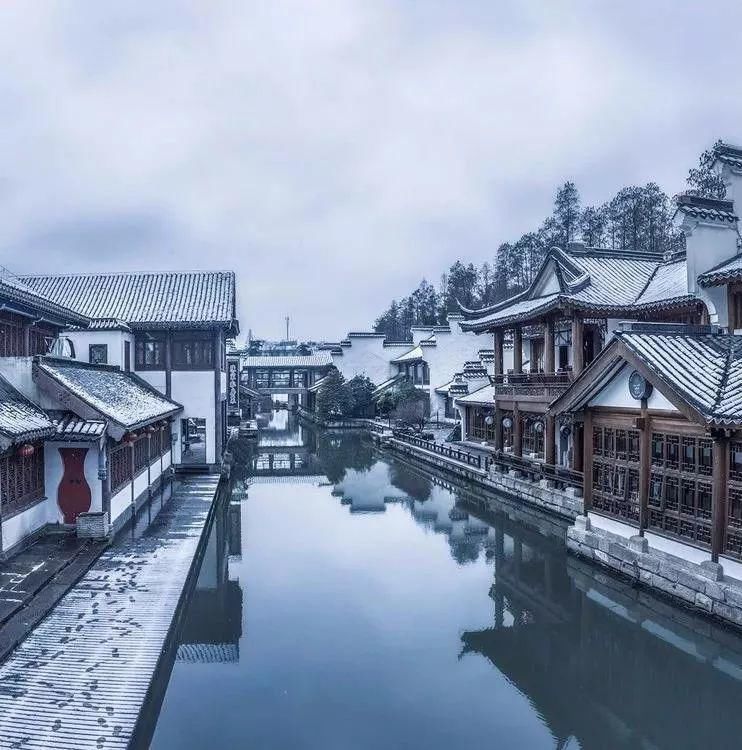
column 233, row 386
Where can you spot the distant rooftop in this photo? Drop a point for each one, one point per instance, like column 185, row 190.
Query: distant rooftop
column 145, row 300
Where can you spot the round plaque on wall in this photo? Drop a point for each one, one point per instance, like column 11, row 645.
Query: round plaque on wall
column 639, row 386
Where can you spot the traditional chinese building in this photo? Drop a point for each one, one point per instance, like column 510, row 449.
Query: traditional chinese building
column 168, row 328
column 560, row 324
column 76, row 440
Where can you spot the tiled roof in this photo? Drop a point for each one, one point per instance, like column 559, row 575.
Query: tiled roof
column 706, row 209
column 728, row 154
column 71, row 427
column 319, row 359
column 151, row 300
column 729, row 270
column 386, row 385
column 20, row 419
column 696, row 368
column 13, row 289
column 592, row 281
column 483, row 397
column 413, row 355
column 118, row 396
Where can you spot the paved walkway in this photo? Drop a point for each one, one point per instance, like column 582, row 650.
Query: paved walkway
column 80, row 679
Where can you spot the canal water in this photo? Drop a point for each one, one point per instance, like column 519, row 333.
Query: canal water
column 348, row 599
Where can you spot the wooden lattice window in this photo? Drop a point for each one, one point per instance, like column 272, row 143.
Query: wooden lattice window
column 507, row 432
column 616, row 472
column 141, row 454
column 679, row 489
column 479, row 427
column 21, row 480
column 119, row 466
column 533, row 437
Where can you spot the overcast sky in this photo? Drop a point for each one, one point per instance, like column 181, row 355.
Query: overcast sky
column 334, row 152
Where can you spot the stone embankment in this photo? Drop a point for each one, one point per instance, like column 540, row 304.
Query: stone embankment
column 703, row 586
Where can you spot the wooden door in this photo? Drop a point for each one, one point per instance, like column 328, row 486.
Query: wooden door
column 73, row 493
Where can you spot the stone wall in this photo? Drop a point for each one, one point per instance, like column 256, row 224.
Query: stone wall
column 565, row 503
column 703, row 587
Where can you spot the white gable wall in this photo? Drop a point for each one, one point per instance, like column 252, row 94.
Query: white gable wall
column 366, row 356
column 615, row 394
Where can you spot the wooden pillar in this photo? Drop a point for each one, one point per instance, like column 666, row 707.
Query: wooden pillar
column 131, row 471
column 578, row 344
column 550, row 440
column 645, row 466
column 517, row 432
column 499, row 358
column 587, row 461
column 105, row 480
column 498, row 428
column 719, row 491
column 549, row 346
column 169, row 364
column 578, row 454
column 517, row 350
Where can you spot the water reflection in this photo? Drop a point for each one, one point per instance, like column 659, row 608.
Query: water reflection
column 390, row 607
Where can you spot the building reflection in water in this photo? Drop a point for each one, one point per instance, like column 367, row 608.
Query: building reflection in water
column 213, row 625
column 598, row 659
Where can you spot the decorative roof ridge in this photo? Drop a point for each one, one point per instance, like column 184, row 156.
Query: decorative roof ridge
column 728, row 152
column 91, row 274
column 698, row 201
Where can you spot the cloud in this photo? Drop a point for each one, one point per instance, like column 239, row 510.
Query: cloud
column 334, row 152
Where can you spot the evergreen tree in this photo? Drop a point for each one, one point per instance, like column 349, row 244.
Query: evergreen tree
column 361, row 390
column 566, row 212
column 702, row 180
column 592, row 226
column 334, row 399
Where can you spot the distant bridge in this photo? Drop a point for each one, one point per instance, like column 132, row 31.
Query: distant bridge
column 297, row 376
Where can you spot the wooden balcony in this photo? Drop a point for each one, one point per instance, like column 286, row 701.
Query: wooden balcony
column 532, row 386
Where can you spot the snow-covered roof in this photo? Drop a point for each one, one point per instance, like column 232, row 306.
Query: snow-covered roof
column 184, row 299
column 13, row 289
column 412, row 355
column 386, row 385
column 485, row 396
column 593, row 281
column 20, row 419
column 109, row 393
column 726, row 272
column 71, row 427
column 699, row 368
column 318, row 359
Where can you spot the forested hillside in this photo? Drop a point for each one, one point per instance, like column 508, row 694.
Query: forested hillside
column 637, row 218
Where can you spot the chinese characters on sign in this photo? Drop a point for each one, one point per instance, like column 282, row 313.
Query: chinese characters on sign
column 233, row 386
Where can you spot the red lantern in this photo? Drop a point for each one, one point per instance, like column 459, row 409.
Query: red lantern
column 129, row 438
column 26, row 450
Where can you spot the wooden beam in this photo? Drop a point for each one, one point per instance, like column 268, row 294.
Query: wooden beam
column 499, row 356
column 517, row 350
column 517, row 432
column 719, row 491
column 578, row 342
column 587, row 461
column 169, row 364
column 549, row 346
column 550, row 440
column 577, row 446
column 498, row 428
column 645, row 466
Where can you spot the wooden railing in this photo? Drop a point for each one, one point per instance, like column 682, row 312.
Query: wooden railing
column 531, row 384
column 478, row 461
column 535, row 470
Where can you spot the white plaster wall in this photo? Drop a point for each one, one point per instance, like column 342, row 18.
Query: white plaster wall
column 140, row 484
column 113, row 339
column 707, row 245
column 156, row 378
column 195, row 391
column 23, row 524
column 366, row 356
column 120, row 502
column 17, row 371
column 616, row 394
